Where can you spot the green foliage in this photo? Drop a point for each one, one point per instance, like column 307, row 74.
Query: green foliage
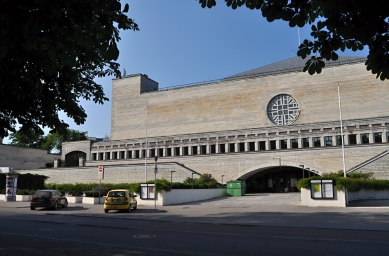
column 22, row 192
column 51, row 142
column 204, row 181
column 50, row 54
column 353, row 182
column 31, row 181
column 335, row 25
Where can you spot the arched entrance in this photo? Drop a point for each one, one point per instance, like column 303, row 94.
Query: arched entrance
column 274, row 179
column 72, row 159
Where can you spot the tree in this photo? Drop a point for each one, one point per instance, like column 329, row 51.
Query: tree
column 50, row 52
column 336, row 25
column 51, row 142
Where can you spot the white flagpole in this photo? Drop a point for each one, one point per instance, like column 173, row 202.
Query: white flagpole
column 341, row 132
column 147, row 109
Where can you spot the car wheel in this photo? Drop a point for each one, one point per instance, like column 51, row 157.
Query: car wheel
column 55, row 207
column 32, row 207
column 65, row 204
column 136, row 206
column 106, row 211
column 129, row 208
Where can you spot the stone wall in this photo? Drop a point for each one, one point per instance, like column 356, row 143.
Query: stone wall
column 242, row 104
column 25, row 158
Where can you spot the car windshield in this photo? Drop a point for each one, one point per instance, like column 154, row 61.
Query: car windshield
column 42, row 194
column 116, row 194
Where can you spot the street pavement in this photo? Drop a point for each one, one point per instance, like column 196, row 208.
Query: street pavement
column 281, row 210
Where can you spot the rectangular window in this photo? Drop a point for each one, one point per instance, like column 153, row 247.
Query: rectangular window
column 137, row 154
column 316, row 141
column 107, row 155
column 352, row 139
column 328, row 141
column 222, row 148
column 101, row 156
column 232, row 147
column 185, row 151
column 338, row 140
column 364, row 138
column 129, row 154
column 203, row 149
column 241, row 147
column 160, row 152
column 114, row 155
column 194, row 150
column 152, row 152
column 294, row 143
column 94, row 155
column 177, row 151
column 283, row 144
column 212, row 149
column 273, row 145
column 168, row 152
column 262, row 145
column 378, row 137
column 305, row 142
column 121, row 155
column 251, row 146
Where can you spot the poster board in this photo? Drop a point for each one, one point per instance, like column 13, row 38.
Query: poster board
column 147, row 191
column 322, row 189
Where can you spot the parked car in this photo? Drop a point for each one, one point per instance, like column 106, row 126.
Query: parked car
column 49, row 199
column 95, row 192
column 120, row 199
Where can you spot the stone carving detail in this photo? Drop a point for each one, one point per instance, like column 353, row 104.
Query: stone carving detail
column 283, row 109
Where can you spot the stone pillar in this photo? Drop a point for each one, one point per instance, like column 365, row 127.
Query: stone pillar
column 384, row 136
column 246, row 146
column 267, row 145
column 345, row 139
column 300, row 142
column 236, row 147
column 371, row 137
column 133, row 153
column 322, row 142
column 278, row 142
column 57, row 163
column 288, row 146
column 81, row 161
column 256, row 145
column 334, row 141
column 359, row 139
column 310, row 142
column 227, row 147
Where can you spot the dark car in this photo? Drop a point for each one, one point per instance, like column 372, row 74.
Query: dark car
column 49, row 199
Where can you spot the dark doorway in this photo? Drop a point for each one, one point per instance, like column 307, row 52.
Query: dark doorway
column 72, row 159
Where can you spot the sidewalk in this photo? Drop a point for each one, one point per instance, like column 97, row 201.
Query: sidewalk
column 259, row 209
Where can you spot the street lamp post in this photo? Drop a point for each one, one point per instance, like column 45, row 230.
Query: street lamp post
column 155, row 182
column 302, row 167
column 171, row 179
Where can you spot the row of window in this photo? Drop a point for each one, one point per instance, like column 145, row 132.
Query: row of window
column 328, row 141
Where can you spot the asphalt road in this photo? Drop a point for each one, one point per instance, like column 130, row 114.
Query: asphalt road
column 72, row 235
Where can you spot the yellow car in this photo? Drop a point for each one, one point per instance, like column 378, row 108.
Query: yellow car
column 120, row 199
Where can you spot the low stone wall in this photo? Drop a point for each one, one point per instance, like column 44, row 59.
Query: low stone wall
column 339, row 199
column 180, row 196
column 364, row 194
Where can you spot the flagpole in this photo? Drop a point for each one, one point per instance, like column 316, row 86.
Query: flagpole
column 147, row 110
column 341, row 132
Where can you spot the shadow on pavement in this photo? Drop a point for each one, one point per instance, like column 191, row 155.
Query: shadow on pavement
column 369, row 203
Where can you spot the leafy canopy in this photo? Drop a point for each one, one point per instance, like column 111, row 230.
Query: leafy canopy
column 50, row 53
column 51, row 142
column 336, row 25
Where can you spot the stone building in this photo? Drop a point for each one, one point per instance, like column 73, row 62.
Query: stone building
column 269, row 126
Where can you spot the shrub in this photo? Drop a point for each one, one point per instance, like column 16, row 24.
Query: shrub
column 22, row 192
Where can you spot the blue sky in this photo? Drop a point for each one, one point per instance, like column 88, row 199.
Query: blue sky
column 180, row 43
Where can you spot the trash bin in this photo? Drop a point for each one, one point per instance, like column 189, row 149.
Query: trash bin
column 236, row 188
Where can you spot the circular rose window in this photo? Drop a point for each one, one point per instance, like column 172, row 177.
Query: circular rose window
column 283, row 109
